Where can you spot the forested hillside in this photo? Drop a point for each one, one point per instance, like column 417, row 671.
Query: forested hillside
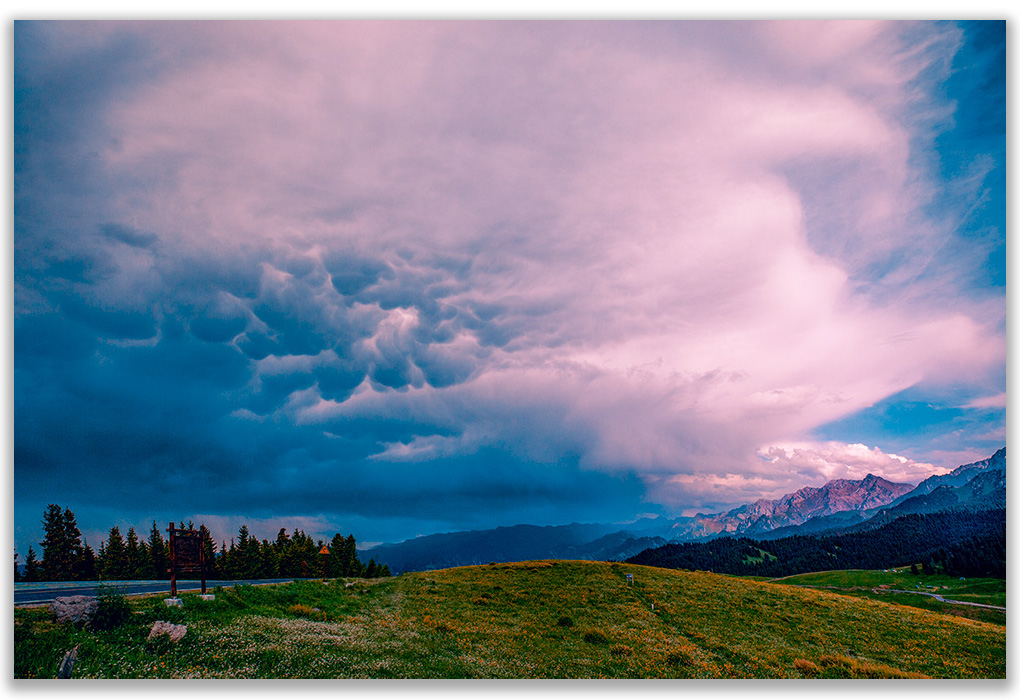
column 958, row 543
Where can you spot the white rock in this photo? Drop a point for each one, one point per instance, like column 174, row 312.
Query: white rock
column 75, row 608
column 175, row 632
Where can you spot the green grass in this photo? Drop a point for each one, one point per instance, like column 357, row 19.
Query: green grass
column 873, row 584
column 529, row 620
column 762, row 556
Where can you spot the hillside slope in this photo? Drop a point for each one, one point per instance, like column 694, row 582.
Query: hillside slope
column 547, row 619
column 960, row 543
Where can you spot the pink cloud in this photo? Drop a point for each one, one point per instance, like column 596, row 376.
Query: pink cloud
column 629, row 212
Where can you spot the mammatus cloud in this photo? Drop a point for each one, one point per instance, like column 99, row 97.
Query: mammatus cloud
column 365, row 268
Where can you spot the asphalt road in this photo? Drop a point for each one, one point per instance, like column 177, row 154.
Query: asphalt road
column 45, row 592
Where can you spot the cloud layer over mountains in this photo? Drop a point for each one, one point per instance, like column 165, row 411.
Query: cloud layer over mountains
column 442, row 275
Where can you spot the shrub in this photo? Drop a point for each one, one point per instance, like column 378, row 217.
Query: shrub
column 808, row 668
column 302, row 610
column 621, row 650
column 853, row 668
column 595, row 636
column 565, row 621
column 678, row 657
column 113, row 611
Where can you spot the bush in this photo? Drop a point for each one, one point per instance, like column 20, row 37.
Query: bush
column 808, row 668
column 565, row 621
column 594, row 636
column 113, row 611
column 621, row 650
column 302, row 610
column 679, row 657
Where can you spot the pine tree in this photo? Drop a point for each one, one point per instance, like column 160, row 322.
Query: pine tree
column 228, row 561
column 32, row 568
column 159, row 556
column 17, row 569
column 137, row 557
column 57, row 562
column 247, row 563
column 351, row 565
column 89, row 568
column 72, row 538
column 114, row 561
column 209, row 555
column 267, row 561
column 335, row 561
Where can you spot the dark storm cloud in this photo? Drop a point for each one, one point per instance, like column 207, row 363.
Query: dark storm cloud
column 463, row 274
column 128, row 235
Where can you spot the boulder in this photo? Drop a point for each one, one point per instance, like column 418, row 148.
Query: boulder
column 75, row 609
column 175, row 632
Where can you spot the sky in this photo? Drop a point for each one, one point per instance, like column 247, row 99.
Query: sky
column 397, row 278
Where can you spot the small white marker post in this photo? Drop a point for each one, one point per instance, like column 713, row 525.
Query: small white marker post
column 630, row 579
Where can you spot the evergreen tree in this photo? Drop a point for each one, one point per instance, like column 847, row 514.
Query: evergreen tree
column 351, row 565
column 57, row 563
column 303, row 553
column 228, row 561
column 137, row 557
column 267, row 561
column 89, row 568
column 223, row 564
column 209, row 554
column 114, row 560
column 32, row 568
column 247, row 564
column 17, row 569
column 159, row 555
column 72, row 538
column 335, row 563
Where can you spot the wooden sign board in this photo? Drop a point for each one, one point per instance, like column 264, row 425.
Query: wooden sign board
column 187, row 554
column 188, row 550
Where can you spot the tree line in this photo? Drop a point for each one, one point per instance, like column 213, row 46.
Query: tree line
column 953, row 542
column 67, row 556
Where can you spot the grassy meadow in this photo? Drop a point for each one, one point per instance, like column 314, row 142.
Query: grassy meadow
column 547, row 619
column 882, row 585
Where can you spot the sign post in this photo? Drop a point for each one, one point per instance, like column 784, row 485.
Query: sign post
column 325, row 553
column 187, row 554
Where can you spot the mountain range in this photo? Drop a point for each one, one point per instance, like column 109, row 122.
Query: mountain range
column 840, row 506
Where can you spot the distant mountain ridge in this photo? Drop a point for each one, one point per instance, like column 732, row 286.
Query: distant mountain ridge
column 837, row 496
column 841, row 505
column 958, row 477
column 976, row 486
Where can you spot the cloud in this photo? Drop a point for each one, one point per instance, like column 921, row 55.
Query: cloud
column 997, row 401
column 415, row 270
column 841, row 461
